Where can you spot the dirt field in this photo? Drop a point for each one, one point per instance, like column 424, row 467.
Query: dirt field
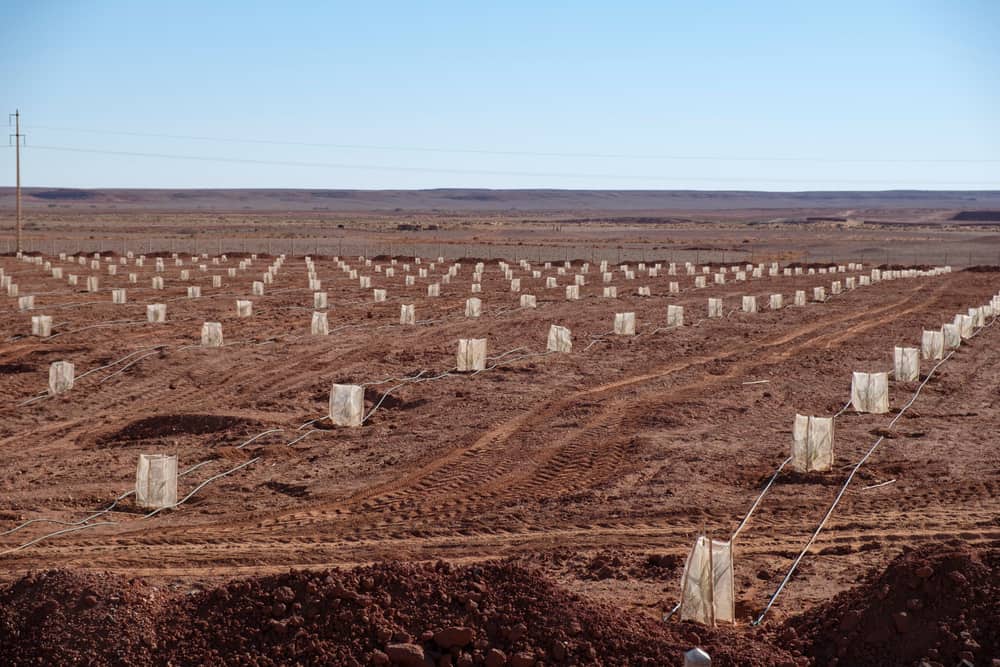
column 596, row 468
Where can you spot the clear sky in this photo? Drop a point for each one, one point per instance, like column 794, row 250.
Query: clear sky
column 795, row 95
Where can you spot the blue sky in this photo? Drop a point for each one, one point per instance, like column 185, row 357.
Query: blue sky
column 724, row 95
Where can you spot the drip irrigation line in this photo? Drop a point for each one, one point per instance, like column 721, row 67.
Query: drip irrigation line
column 114, row 363
column 392, row 379
column 843, row 409
column 875, row 486
column 55, row 534
column 312, row 421
column 127, row 366
column 303, row 436
column 32, row 400
column 760, row 497
column 95, row 326
column 201, row 486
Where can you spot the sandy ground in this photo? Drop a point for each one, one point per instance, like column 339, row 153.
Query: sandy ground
column 600, row 466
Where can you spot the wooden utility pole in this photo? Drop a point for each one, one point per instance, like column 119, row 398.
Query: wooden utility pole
column 17, row 152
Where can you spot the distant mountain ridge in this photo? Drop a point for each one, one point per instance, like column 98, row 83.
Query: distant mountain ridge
column 460, row 199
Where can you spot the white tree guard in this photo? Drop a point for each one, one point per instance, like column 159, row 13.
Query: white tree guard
column 347, row 403
column 932, row 345
column 26, row 302
column 644, row 291
column 157, row 282
column 118, row 295
column 559, row 339
column 572, row 292
column 699, row 281
column 528, row 301
column 156, row 312
column 965, row 327
column 579, row 280
column 749, row 304
column 156, row 481
column 777, row 302
column 610, row 292
column 434, row 289
column 952, row 336
column 675, row 316
column 720, row 278
column 194, row 292
column 320, row 325
column 92, row 283
column 819, row 294
column 244, row 308
column 515, row 285
column 473, row 307
column 185, row 274
column 707, row 587
column 41, row 325
column 61, row 376
column 624, row 324
column 319, row 300
column 407, row 314
column 870, row 392
column 714, row 308
column 211, row 334
column 471, row 354
column 133, row 278
column 812, row 443
column 906, row 364
column 378, row 295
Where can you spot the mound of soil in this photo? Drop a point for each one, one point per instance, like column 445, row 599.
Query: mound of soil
column 494, row 614
column 64, row 618
column 935, row 605
column 166, row 425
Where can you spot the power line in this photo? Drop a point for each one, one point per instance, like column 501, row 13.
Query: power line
column 491, row 172
column 482, row 151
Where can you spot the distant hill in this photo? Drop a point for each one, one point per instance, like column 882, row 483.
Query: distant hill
column 468, row 200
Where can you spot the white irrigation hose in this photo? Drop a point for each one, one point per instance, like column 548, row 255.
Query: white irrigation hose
column 96, row 326
column 760, row 498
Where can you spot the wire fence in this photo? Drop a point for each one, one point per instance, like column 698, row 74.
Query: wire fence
column 958, row 253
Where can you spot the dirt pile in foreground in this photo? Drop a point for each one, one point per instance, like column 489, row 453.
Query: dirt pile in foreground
column 937, row 604
column 395, row 614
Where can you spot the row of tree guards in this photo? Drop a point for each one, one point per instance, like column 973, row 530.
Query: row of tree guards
column 707, row 591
